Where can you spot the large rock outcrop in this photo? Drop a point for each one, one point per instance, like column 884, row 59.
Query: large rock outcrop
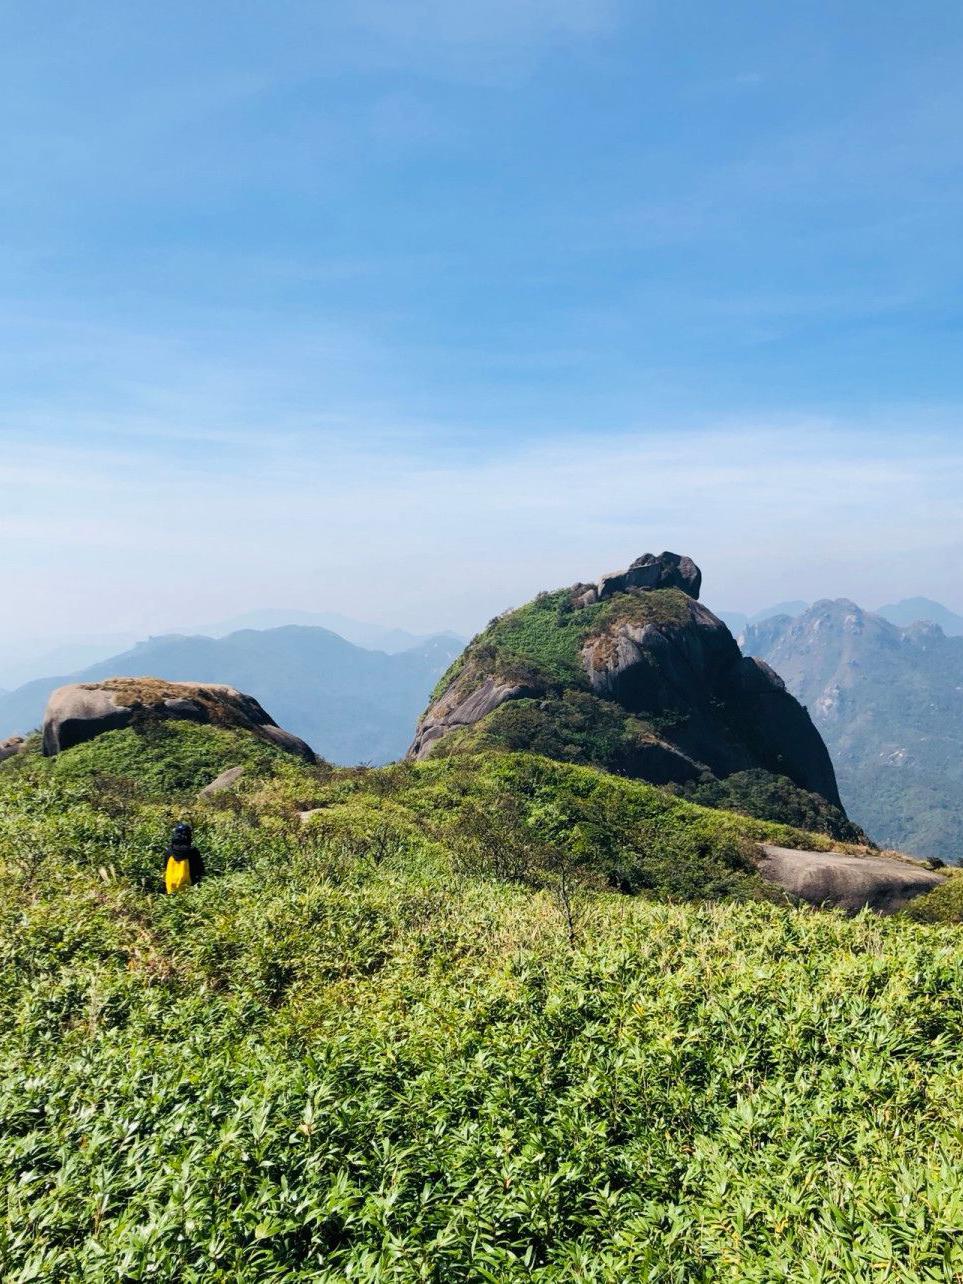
column 11, row 746
column 632, row 674
column 82, row 710
column 837, row 880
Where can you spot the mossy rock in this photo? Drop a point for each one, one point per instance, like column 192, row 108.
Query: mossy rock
column 645, row 682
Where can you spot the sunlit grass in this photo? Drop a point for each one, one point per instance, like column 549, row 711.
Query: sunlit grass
column 353, row 1054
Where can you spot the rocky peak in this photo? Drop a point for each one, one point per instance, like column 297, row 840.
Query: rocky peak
column 667, row 570
column 924, row 632
column 632, row 674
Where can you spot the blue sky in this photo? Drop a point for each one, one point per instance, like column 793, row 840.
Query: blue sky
column 409, row 309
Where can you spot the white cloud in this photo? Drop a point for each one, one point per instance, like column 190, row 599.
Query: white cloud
column 142, row 537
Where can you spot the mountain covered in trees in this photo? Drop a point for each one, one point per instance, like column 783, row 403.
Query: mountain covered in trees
column 889, row 704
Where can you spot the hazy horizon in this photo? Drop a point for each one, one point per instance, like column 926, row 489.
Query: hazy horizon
column 410, row 310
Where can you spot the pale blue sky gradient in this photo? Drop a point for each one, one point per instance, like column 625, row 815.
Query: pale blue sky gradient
column 408, row 309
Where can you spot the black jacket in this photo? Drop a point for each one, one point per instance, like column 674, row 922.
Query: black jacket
column 191, row 854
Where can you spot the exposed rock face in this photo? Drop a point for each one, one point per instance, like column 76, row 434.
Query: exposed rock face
column 736, row 711
column 456, row 709
column 82, row 710
column 12, row 745
column 850, row 883
column 222, row 783
column 670, row 696
column 668, row 570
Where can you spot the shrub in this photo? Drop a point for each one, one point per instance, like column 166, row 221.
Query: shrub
column 769, row 797
column 334, row 1060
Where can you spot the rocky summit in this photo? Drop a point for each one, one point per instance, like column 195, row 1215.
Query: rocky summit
column 82, row 710
column 633, row 674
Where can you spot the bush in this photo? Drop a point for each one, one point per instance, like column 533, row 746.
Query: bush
column 944, row 904
column 342, row 1058
column 768, row 797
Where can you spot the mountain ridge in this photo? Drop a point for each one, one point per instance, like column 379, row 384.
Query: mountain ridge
column 888, row 702
column 350, row 704
column 912, row 610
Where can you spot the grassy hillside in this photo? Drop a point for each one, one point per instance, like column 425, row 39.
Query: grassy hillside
column 540, row 643
column 418, row 1035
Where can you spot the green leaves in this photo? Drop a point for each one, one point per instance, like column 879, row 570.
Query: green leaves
column 347, row 1058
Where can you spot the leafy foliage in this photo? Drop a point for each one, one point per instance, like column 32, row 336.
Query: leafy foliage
column 944, row 904
column 363, row 1049
column 624, row 833
column 540, row 643
column 572, row 727
column 537, row 643
column 762, row 794
column 164, row 759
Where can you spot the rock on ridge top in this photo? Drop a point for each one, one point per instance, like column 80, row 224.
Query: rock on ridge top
column 650, row 571
column 82, row 710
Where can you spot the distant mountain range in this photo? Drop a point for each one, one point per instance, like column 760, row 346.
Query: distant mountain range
column 912, row 609
column 373, row 637
column 908, row 611
column 889, row 703
column 350, row 704
column 22, row 659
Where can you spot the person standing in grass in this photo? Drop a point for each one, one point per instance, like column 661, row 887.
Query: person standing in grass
column 185, row 865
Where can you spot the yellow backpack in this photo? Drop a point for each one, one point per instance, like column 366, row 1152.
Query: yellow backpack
column 177, row 874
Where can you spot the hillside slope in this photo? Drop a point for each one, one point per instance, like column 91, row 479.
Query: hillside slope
column 351, row 705
column 636, row 676
column 889, row 703
column 381, row 1043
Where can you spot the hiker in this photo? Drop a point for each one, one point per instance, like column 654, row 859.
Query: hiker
column 185, row 867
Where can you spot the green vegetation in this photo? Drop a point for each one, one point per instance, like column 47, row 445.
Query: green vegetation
column 762, row 794
column 580, row 728
column 572, row 727
column 944, row 904
column 161, row 760
column 540, row 643
column 417, row 1037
